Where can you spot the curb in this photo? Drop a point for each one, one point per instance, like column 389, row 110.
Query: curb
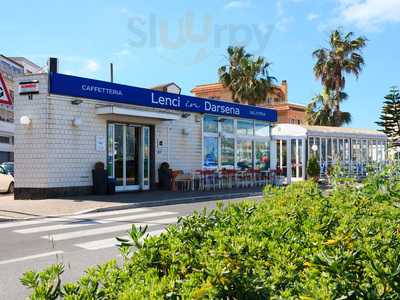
column 167, row 202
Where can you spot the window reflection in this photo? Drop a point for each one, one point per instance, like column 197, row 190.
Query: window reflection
column 227, row 125
column 228, row 152
column 211, row 124
column 210, row 151
column 261, row 129
column 244, row 154
column 245, row 127
column 262, row 155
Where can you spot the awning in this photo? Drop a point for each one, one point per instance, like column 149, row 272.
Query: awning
column 114, row 110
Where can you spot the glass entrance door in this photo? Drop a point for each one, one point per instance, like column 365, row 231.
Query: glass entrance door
column 297, row 158
column 128, row 156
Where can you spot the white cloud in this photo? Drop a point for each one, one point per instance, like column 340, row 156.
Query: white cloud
column 238, row 4
column 91, row 66
column 123, row 52
column 283, row 19
column 312, row 16
column 369, row 14
column 283, row 24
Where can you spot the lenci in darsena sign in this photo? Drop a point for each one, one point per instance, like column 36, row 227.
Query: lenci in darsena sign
column 67, row 85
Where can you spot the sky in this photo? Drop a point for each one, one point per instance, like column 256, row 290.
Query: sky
column 157, row 41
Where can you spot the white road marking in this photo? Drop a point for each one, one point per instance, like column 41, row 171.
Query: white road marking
column 72, row 217
column 55, row 227
column 141, row 216
column 9, row 261
column 110, row 242
column 93, row 222
column 89, row 232
column 166, row 221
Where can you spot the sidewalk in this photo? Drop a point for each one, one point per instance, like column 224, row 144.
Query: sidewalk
column 11, row 209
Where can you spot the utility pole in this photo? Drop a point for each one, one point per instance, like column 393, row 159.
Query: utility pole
column 111, row 72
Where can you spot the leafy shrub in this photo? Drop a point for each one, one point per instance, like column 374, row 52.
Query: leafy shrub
column 295, row 244
column 313, row 168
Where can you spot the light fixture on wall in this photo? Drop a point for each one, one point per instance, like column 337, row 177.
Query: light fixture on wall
column 76, row 101
column 25, row 120
column 186, row 131
column 77, row 121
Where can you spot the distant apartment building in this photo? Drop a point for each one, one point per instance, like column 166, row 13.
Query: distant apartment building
column 10, row 68
column 277, row 99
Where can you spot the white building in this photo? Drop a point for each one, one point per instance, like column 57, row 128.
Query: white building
column 353, row 148
column 10, row 68
column 72, row 123
column 65, row 124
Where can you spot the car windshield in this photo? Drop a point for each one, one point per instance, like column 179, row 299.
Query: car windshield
column 8, row 167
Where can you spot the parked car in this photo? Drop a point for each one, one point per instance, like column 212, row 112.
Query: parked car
column 6, row 181
column 9, row 167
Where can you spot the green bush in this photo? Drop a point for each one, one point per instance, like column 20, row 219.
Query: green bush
column 295, row 244
column 313, row 168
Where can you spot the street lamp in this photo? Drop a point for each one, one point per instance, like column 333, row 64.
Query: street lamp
column 314, row 148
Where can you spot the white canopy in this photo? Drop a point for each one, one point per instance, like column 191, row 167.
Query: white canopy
column 291, row 130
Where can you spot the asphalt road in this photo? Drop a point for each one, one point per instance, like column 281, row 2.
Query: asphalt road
column 77, row 241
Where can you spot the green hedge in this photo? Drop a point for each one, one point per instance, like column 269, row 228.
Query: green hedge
column 298, row 243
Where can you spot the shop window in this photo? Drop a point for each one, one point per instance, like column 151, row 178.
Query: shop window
column 230, row 143
column 261, row 129
column 341, row 149
column 245, row 127
column 364, row 150
column 370, row 151
column 244, row 153
column 211, row 124
column 300, row 158
column 310, row 144
column 4, row 140
column 228, row 152
column 227, row 125
column 293, row 156
column 329, row 150
column 281, row 157
column 262, row 155
column 317, row 143
column 346, row 150
column 334, row 149
column 356, row 150
column 323, row 150
column 210, row 151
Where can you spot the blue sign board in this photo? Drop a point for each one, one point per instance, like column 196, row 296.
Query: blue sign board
column 73, row 86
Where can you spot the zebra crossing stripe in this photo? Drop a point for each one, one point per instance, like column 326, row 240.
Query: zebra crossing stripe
column 69, row 218
column 56, row 227
column 93, row 222
column 90, row 232
column 9, row 261
column 110, row 242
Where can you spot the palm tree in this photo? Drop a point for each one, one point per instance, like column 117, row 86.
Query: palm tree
column 246, row 76
column 342, row 57
column 321, row 110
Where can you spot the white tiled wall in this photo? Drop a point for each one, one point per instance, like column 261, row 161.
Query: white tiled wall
column 51, row 152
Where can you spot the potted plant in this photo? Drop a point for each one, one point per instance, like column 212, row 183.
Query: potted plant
column 99, row 175
column 313, row 169
column 165, row 176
